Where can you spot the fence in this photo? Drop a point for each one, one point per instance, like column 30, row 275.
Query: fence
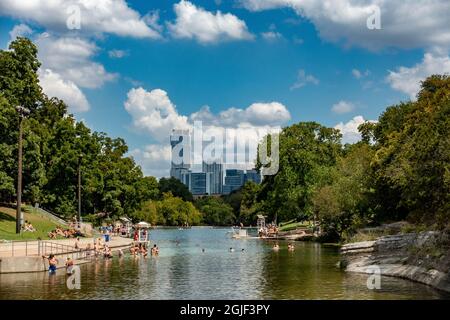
column 41, row 248
column 19, row 248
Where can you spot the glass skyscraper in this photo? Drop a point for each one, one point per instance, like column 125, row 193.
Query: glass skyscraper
column 234, row 180
column 216, row 171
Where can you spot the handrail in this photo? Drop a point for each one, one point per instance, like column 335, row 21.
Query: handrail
column 50, row 215
column 27, row 248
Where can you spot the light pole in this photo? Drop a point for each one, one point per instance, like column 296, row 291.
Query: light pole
column 80, row 158
column 23, row 112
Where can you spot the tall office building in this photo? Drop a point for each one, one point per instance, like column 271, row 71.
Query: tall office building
column 234, row 180
column 216, row 171
column 200, row 183
column 180, row 142
column 253, row 175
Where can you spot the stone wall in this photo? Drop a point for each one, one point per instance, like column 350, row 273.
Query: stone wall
column 421, row 257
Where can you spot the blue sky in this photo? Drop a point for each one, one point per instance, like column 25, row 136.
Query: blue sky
column 316, row 63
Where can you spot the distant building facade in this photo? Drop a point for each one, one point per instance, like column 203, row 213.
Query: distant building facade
column 216, row 171
column 211, row 180
column 234, row 179
column 200, row 183
column 253, row 175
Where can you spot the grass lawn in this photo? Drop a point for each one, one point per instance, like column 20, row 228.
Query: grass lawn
column 292, row 225
column 8, row 226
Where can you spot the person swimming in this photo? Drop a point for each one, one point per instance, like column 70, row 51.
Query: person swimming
column 276, row 247
column 291, row 247
column 231, row 250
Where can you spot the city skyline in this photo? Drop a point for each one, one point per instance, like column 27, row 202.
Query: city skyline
column 211, row 179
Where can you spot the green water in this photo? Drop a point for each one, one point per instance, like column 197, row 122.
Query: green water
column 183, row 271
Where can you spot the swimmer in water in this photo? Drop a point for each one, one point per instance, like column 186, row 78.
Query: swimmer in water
column 231, row 250
column 276, row 247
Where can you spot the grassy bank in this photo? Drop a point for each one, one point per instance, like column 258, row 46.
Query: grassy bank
column 8, row 225
column 292, row 225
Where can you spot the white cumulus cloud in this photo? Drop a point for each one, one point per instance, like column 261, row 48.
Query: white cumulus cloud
column 257, row 114
column 194, row 22
column 71, row 57
column 242, row 129
column 405, row 24
column 153, row 112
column 408, row 80
column 343, row 107
column 55, row 86
column 99, row 16
column 349, row 130
column 154, row 159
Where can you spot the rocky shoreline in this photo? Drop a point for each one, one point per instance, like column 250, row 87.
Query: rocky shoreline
column 421, row 257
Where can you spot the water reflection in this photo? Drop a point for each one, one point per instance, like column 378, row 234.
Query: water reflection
column 183, row 271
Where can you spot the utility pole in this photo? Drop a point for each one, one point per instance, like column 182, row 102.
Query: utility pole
column 23, row 112
column 79, row 190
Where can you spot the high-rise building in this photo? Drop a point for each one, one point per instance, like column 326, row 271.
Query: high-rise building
column 216, row 171
column 180, row 142
column 200, row 183
column 234, row 180
column 253, row 175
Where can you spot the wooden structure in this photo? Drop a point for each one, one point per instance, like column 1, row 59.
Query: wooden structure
column 142, row 233
column 261, row 224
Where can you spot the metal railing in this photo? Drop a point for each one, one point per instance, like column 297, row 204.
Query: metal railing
column 41, row 248
column 17, row 248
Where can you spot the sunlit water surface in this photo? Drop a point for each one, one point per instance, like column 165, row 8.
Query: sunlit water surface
column 183, row 271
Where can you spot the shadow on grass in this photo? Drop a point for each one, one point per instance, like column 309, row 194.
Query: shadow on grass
column 6, row 217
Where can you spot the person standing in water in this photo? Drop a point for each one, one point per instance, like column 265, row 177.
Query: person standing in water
column 155, row 250
column 52, row 263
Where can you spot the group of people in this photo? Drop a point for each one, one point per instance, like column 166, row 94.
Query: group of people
column 270, row 230
column 53, row 264
column 141, row 249
column 276, row 247
column 27, row 226
column 65, row 233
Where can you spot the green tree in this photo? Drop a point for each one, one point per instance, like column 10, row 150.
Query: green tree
column 344, row 204
column 176, row 187
column 307, row 151
column 412, row 161
column 215, row 211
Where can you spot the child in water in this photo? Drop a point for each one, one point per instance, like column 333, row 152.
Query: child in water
column 69, row 265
